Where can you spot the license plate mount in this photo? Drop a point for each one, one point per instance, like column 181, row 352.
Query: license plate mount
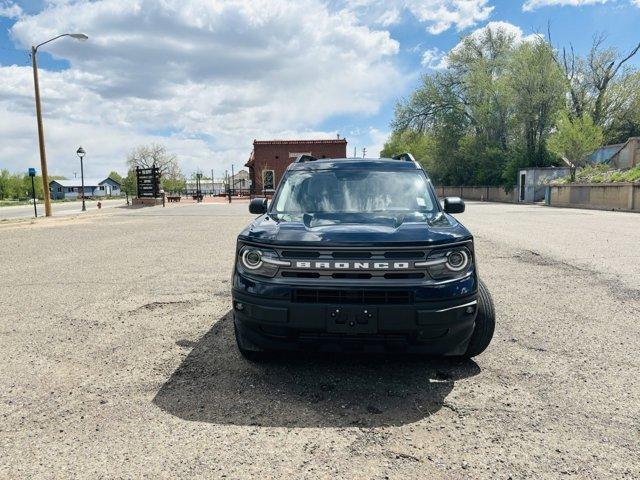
column 354, row 320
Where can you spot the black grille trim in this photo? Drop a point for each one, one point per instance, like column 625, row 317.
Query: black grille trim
column 352, row 296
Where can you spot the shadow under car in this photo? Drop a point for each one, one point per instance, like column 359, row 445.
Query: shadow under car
column 215, row 384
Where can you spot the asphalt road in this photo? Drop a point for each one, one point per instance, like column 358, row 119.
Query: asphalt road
column 59, row 209
column 119, row 362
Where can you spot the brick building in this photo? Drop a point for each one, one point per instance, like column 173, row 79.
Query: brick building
column 270, row 158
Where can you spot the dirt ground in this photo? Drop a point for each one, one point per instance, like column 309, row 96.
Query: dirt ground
column 119, row 360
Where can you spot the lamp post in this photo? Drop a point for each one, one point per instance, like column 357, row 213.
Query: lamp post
column 81, row 154
column 36, row 85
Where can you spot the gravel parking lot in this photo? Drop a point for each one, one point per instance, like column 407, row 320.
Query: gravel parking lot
column 119, row 360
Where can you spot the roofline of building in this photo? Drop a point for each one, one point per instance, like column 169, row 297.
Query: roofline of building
column 86, row 184
column 300, row 142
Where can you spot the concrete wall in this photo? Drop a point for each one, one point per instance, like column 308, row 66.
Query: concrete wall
column 604, row 196
column 601, row 196
column 485, row 194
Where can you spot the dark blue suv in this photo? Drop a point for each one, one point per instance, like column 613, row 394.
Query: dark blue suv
column 358, row 254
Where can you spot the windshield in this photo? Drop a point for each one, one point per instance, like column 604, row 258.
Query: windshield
column 328, row 192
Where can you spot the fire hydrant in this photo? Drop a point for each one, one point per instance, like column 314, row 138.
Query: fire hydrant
column 99, row 205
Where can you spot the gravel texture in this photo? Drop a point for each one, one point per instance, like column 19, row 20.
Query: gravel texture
column 119, row 360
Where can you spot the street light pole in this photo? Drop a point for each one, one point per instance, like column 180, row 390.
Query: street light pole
column 233, row 183
column 36, row 85
column 81, row 154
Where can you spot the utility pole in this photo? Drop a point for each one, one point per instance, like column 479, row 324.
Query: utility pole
column 43, row 154
column 364, row 152
column 36, row 85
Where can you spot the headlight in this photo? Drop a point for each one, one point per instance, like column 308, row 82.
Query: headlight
column 252, row 258
column 448, row 263
column 457, row 260
column 260, row 261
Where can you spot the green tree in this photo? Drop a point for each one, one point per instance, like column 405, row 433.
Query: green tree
column 492, row 110
column 624, row 121
column 129, row 184
column 116, row 176
column 574, row 139
column 537, row 90
column 174, row 182
column 6, row 184
column 419, row 144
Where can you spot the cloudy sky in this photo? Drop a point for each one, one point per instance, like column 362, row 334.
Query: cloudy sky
column 206, row 77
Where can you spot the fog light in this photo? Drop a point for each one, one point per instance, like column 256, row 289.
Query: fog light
column 470, row 309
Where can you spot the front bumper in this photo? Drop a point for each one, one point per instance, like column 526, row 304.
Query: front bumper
column 436, row 326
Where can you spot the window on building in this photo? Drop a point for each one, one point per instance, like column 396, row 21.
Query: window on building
column 101, row 187
column 268, row 179
column 59, row 189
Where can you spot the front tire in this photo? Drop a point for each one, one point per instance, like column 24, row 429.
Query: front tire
column 485, row 323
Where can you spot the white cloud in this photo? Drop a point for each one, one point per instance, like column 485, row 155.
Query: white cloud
column 438, row 15
column 531, row 5
column 506, row 27
column 510, row 29
column 433, row 58
column 377, row 139
column 203, row 77
column 9, row 9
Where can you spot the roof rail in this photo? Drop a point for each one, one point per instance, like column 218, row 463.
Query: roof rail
column 305, row 158
column 405, row 157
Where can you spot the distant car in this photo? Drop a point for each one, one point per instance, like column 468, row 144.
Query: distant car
column 358, row 254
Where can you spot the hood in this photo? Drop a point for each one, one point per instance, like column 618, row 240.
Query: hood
column 268, row 229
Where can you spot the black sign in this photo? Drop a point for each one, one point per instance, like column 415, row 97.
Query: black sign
column 148, row 182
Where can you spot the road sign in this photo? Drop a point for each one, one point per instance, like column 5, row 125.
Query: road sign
column 32, row 172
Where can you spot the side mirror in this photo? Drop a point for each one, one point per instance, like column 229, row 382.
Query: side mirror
column 258, row 206
column 453, row 205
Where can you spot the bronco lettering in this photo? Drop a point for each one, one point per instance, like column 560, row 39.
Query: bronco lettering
column 353, row 265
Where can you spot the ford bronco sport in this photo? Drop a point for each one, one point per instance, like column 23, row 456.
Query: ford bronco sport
column 358, row 254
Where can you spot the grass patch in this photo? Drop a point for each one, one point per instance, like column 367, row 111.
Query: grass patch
column 601, row 174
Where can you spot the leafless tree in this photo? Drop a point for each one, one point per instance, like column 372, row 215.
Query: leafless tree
column 145, row 156
column 590, row 79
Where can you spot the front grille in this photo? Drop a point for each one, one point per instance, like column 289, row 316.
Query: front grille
column 353, row 264
column 350, row 255
column 352, row 296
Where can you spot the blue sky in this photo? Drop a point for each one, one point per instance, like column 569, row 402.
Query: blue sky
column 206, row 77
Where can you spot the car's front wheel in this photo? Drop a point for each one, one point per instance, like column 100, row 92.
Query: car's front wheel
column 485, row 323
